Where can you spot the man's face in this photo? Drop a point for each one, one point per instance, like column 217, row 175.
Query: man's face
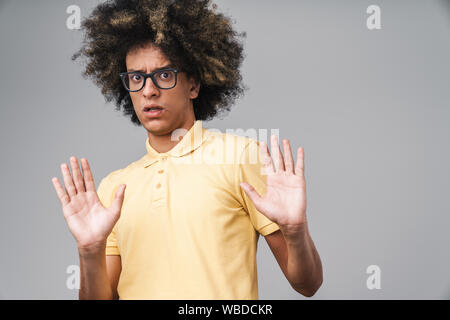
column 176, row 102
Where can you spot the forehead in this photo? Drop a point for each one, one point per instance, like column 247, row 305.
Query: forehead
column 148, row 57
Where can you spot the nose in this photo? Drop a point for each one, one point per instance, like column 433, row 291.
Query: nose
column 150, row 89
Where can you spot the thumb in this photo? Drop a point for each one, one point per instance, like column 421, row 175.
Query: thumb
column 116, row 206
column 251, row 192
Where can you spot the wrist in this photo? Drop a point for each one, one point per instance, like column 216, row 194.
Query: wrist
column 294, row 233
column 94, row 249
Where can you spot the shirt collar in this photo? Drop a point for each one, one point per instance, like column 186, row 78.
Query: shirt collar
column 193, row 139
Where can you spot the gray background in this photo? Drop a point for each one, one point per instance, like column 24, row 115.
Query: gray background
column 371, row 109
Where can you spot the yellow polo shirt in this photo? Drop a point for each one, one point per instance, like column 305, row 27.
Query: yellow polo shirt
column 187, row 229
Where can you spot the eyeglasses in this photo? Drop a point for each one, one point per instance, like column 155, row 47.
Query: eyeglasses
column 163, row 79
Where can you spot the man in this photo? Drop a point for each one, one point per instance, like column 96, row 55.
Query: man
column 188, row 223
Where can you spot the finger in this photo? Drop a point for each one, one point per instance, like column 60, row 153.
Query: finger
column 77, row 177
column 60, row 192
column 266, row 159
column 252, row 193
column 87, row 173
column 116, row 206
column 300, row 166
column 289, row 161
column 276, row 154
column 68, row 182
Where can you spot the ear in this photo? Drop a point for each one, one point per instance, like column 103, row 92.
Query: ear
column 194, row 86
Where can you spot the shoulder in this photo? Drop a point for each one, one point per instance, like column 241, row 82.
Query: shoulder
column 233, row 143
column 119, row 176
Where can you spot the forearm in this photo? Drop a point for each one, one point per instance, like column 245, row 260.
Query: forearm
column 304, row 268
column 94, row 282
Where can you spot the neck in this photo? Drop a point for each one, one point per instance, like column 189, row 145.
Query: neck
column 164, row 143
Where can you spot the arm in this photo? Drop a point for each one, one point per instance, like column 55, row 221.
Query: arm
column 99, row 274
column 90, row 223
column 114, row 268
column 298, row 259
column 285, row 204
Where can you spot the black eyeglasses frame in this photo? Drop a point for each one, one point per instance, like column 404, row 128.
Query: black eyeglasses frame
column 148, row 75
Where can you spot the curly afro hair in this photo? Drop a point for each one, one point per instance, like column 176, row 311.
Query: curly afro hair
column 193, row 36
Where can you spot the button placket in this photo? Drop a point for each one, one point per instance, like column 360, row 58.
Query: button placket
column 158, row 188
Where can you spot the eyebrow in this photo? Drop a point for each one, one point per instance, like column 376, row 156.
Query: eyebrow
column 170, row 65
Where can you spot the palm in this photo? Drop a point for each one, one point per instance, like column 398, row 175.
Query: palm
column 88, row 220
column 285, row 200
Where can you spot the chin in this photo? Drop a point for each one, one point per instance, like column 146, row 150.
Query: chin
column 156, row 126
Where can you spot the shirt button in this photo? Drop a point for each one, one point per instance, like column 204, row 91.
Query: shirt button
column 158, row 186
column 164, row 158
column 160, row 171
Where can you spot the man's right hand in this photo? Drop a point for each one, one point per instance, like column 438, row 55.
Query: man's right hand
column 89, row 221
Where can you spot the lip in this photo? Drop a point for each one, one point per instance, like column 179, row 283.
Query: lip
column 153, row 114
column 151, row 106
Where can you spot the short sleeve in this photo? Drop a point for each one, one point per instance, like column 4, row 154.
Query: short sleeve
column 250, row 170
column 105, row 192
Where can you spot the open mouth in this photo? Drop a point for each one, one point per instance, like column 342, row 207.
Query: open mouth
column 153, row 112
column 149, row 109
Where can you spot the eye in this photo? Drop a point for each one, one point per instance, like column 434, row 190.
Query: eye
column 136, row 77
column 165, row 75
